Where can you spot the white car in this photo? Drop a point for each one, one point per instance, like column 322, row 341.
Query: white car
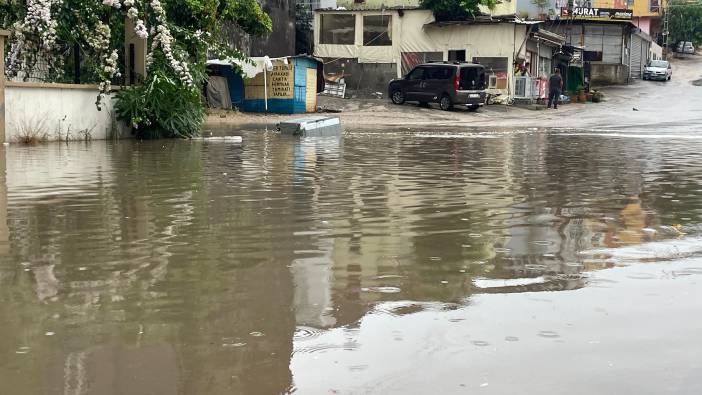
column 658, row 70
column 686, row 47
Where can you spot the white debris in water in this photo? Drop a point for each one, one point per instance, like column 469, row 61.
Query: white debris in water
column 462, row 270
column 233, row 344
column 82, row 268
column 22, row 350
column 382, row 290
column 256, row 334
column 50, row 333
column 509, row 282
column 483, row 385
column 444, row 282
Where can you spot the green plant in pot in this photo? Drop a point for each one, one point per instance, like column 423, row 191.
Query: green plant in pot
column 581, row 93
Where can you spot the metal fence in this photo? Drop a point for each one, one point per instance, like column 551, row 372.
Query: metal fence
column 74, row 67
column 529, row 88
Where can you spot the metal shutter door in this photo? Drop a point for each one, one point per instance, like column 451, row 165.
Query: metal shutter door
column 593, row 38
column 636, row 48
column 612, row 44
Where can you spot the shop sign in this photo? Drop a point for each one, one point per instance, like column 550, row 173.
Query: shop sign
column 597, row 14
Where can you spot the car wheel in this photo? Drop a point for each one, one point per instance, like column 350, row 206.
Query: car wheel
column 445, row 103
column 398, row 97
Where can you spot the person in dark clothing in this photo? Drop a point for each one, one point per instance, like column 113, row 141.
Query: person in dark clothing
column 555, row 87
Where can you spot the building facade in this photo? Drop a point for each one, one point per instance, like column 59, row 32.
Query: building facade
column 370, row 46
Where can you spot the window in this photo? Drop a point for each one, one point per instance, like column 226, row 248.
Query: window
column 472, row 78
column 416, row 74
column 592, row 56
column 413, row 59
column 654, row 6
column 457, row 55
column 439, row 73
column 377, row 30
column 496, row 68
column 337, row 29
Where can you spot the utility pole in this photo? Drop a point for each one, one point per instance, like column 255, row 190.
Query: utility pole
column 666, row 31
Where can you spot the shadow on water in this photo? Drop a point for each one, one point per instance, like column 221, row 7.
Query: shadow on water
column 196, row 267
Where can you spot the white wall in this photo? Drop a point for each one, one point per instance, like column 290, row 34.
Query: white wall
column 53, row 108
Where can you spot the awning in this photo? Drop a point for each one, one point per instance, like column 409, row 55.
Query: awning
column 250, row 67
column 549, row 37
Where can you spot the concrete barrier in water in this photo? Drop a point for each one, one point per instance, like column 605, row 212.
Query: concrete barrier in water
column 311, row 127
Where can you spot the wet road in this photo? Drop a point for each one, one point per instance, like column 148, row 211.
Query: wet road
column 652, row 106
column 379, row 263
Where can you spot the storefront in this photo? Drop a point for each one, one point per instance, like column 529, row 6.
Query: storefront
column 614, row 51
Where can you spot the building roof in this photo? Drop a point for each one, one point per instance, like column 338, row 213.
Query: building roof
column 391, row 8
column 485, row 19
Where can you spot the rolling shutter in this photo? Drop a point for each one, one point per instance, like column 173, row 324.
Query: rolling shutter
column 636, row 56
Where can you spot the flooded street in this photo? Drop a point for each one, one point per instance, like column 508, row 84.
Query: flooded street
column 384, row 262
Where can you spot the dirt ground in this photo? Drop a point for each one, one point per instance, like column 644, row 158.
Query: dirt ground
column 642, row 105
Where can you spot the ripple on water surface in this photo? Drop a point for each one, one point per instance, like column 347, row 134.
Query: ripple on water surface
column 220, row 248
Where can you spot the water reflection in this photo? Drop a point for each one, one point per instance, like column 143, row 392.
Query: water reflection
column 191, row 267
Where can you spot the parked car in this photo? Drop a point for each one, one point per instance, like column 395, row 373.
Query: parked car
column 685, row 47
column 449, row 84
column 658, row 70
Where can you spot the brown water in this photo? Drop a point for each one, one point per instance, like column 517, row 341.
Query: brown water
column 380, row 263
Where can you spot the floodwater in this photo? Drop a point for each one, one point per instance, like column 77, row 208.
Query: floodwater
column 401, row 262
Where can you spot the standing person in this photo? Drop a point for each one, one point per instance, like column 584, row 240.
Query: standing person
column 555, row 87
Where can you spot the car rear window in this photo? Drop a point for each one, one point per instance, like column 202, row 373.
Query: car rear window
column 472, row 78
column 439, row 73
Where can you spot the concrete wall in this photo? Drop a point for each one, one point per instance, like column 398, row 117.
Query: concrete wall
column 281, row 41
column 608, row 74
column 52, row 109
column 643, row 23
column 3, row 35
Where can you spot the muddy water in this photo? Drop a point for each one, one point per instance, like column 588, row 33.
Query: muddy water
column 382, row 263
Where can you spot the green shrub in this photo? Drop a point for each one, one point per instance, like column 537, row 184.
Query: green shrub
column 161, row 108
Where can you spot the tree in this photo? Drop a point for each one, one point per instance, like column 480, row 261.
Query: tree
column 180, row 35
column 456, row 10
column 685, row 21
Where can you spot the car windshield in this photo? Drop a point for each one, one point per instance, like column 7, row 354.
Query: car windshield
column 659, row 63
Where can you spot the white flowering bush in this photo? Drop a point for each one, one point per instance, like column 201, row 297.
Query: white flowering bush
column 179, row 36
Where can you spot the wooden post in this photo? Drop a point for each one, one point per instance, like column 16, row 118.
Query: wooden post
column 3, row 35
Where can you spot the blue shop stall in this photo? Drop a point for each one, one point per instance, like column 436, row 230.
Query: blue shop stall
column 287, row 85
